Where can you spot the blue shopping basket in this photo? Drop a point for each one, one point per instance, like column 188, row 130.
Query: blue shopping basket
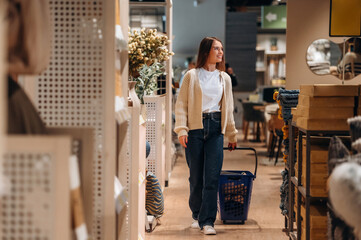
column 234, row 192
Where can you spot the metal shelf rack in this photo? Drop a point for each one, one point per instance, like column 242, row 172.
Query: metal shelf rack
column 295, row 186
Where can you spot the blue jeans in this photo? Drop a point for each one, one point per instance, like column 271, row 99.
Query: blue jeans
column 204, row 154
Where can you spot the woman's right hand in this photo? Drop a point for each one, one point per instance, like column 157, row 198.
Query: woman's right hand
column 183, row 140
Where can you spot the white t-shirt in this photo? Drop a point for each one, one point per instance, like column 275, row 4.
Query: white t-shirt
column 212, row 89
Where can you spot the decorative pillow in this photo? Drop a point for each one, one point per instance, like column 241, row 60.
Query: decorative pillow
column 345, row 194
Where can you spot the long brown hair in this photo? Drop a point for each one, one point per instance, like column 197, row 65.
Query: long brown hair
column 203, row 53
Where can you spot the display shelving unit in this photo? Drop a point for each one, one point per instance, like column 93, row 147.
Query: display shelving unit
column 37, row 203
column 261, row 66
column 264, row 58
column 295, row 186
column 277, row 57
column 168, row 5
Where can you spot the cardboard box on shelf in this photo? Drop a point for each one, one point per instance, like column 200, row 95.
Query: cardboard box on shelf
column 309, row 101
column 318, row 216
column 322, row 124
column 329, row 90
column 318, row 150
column 318, row 191
column 318, row 165
column 317, row 168
column 318, row 222
column 317, row 181
column 325, row 112
column 315, row 234
column 316, row 156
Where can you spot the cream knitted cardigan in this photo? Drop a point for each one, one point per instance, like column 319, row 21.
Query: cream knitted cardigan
column 188, row 108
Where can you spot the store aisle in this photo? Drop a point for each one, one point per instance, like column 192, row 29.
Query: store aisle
column 264, row 219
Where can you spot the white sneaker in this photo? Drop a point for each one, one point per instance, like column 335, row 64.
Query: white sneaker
column 209, row 230
column 195, row 224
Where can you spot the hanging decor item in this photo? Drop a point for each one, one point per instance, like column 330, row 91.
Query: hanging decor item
column 147, row 54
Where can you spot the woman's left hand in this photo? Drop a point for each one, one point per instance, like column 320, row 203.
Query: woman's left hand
column 232, row 146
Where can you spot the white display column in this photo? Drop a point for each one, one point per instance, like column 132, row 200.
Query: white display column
column 155, row 111
column 77, row 90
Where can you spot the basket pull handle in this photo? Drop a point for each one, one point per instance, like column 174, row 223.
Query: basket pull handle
column 255, row 155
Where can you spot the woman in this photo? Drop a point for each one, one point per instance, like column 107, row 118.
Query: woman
column 204, row 113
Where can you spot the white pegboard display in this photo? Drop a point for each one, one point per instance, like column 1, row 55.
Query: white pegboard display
column 36, row 203
column 25, row 214
column 71, row 92
column 155, row 136
column 132, row 172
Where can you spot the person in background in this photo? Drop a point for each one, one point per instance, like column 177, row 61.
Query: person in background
column 204, row 114
column 352, row 60
column 230, row 72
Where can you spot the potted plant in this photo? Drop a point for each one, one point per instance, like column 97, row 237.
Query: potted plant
column 147, row 54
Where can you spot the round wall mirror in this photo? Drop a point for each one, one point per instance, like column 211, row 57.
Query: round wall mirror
column 326, row 57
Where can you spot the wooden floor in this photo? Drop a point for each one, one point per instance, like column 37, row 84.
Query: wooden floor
column 264, row 219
